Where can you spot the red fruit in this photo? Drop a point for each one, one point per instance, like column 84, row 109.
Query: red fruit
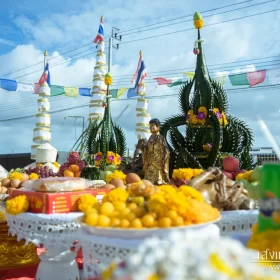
column 230, row 164
column 73, row 157
column 238, row 172
column 228, row 175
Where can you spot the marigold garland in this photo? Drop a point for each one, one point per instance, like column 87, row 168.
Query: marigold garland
column 33, row 176
column 15, row 175
column 116, row 195
column 56, row 164
column 86, row 202
column 17, row 205
column 116, row 175
column 187, row 203
column 185, row 173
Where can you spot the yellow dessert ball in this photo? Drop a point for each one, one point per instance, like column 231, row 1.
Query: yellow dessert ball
column 91, row 219
column 107, row 208
column 172, row 214
column 148, row 220
column 136, row 223
column 124, row 212
column 139, row 212
column 179, row 221
column 132, row 206
column 164, row 222
column 124, row 223
column 97, row 206
column 119, row 205
column 115, row 222
column 131, row 216
column 103, row 221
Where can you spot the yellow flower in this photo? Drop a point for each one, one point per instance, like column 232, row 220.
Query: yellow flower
column 153, row 277
column 116, row 195
column 198, row 24
column 117, row 160
column 185, row 173
column 110, row 157
column 33, row 176
column 15, row 175
column 39, row 164
column 56, row 164
column 86, row 202
column 107, row 274
column 216, row 110
column 246, row 176
column 108, row 79
column 203, row 110
column 116, row 174
column 221, row 266
column 191, row 192
column 17, row 205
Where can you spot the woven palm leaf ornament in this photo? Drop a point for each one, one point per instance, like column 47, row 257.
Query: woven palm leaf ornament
column 211, row 133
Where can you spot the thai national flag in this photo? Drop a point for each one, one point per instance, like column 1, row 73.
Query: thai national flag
column 46, row 77
column 100, row 36
column 140, row 73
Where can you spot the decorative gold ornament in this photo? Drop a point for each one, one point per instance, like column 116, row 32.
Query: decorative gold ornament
column 14, row 254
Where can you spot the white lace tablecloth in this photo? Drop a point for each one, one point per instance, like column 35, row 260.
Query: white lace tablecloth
column 47, row 229
column 239, row 221
column 99, row 252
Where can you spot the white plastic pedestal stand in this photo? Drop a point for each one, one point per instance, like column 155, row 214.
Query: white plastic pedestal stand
column 57, row 232
column 58, row 263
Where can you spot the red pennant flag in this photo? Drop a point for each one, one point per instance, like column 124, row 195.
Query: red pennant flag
column 163, row 81
column 256, row 77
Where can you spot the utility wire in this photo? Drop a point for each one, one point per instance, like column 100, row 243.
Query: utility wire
column 141, row 31
column 191, row 20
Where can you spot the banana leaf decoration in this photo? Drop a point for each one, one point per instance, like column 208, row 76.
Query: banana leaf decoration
column 206, row 122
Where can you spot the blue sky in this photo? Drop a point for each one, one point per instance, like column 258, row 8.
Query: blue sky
column 28, row 27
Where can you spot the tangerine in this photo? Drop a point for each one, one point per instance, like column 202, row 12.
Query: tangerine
column 148, row 220
column 103, row 221
column 77, row 174
column 68, row 173
column 74, row 168
column 164, row 222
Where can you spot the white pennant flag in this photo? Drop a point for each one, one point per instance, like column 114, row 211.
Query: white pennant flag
column 25, row 87
column 274, row 76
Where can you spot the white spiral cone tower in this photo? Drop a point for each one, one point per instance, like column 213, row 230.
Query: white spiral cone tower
column 142, row 117
column 42, row 131
column 99, row 89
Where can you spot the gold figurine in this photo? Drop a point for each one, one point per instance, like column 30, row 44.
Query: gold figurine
column 155, row 155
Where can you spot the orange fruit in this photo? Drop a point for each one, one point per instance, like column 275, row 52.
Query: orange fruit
column 107, row 208
column 115, row 222
column 178, row 221
column 124, row 223
column 164, row 222
column 136, row 223
column 148, row 220
column 68, row 173
column 74, row 168
column 77, row 174
column 103, row 221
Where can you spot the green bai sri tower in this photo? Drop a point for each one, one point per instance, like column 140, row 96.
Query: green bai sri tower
column 211, row 133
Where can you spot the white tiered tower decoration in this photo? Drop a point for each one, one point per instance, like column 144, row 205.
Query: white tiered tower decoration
column 99, row 89
column 42, row 132
column 142, row 117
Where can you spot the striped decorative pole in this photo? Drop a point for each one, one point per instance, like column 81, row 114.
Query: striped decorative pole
column 42, row 131
column 142, row 117
column 99, row 89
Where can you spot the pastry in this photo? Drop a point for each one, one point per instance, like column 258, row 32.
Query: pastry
column 59, row 185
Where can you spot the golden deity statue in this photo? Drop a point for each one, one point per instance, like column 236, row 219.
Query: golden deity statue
column 155, row 155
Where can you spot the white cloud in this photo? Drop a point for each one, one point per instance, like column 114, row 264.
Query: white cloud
column 224, row 43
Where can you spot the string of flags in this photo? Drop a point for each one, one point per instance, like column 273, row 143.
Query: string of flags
column 240, row 79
